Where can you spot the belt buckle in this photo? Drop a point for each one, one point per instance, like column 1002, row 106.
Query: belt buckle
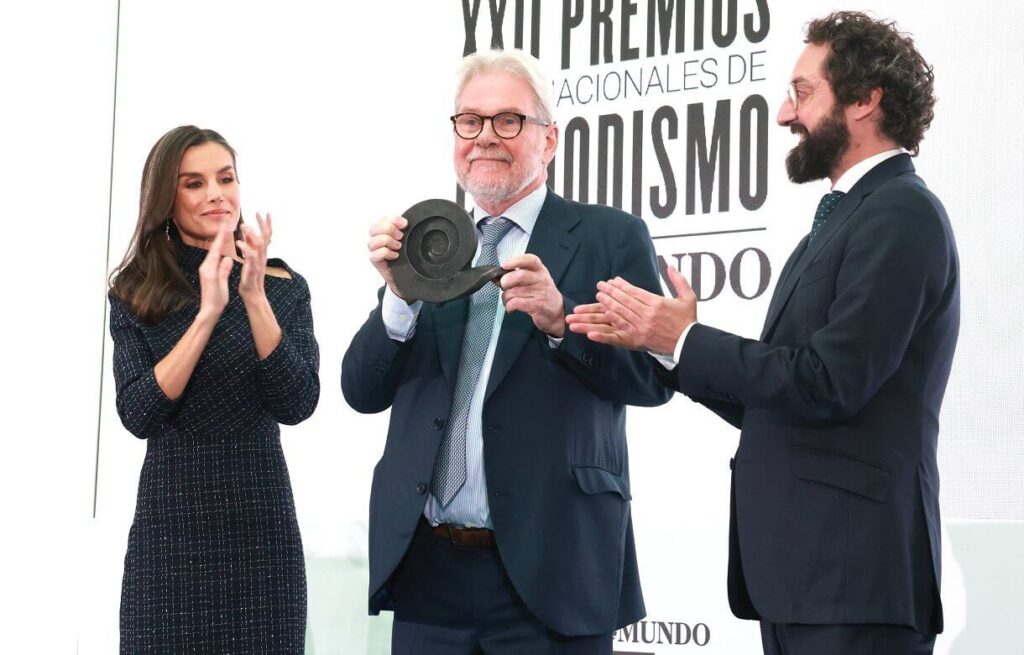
column 463, row 537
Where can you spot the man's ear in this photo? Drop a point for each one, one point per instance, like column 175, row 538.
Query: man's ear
column 868, row 106
column 550, row 144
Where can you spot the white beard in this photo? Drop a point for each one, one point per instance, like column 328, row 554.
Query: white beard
column 496, row 191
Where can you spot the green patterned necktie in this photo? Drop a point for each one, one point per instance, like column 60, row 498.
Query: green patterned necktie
column 825, row 207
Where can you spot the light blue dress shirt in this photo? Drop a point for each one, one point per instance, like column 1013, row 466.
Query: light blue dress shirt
column 470, row 507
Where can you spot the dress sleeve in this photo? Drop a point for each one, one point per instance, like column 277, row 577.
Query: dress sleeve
column 141, row 404
column 289, row 378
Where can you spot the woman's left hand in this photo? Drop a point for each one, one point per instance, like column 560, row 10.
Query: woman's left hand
column 254, row 265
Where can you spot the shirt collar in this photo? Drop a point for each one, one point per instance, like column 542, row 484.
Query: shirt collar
column 524, row 212
column 860, row 169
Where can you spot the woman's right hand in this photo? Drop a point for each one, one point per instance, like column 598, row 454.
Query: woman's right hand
column 213, row 276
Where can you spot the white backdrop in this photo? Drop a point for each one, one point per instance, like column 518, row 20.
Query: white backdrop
column 314, row 96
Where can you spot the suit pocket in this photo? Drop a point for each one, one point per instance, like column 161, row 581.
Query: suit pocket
column 599, row 440
column 594, row 480
column 815, row 272
column 840, row 470
column 814, row 294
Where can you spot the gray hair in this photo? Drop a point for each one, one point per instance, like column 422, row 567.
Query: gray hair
column 514, row 62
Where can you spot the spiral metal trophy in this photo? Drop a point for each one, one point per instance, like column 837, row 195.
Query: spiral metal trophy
column 434, row 263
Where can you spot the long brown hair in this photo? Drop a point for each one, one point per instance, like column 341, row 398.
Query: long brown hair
column 149, row 277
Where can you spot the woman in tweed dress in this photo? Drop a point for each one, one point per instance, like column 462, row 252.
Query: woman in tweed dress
column 213, row 348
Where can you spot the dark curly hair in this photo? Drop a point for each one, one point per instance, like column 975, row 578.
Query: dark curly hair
column 867, row 53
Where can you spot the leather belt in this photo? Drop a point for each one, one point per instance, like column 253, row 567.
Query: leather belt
column 466, row 537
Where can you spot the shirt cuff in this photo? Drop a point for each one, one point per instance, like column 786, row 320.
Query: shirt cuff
column 554, row 342
column 399, row 316
column 673, row 361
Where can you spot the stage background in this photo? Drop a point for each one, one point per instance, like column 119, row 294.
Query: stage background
column 316, row 98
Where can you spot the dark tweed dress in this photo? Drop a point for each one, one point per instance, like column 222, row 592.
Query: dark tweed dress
column 214, row 562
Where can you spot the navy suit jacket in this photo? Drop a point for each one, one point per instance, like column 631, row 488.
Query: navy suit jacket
column 555, row 453
column 835, row 515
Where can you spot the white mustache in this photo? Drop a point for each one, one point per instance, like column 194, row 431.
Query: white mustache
column 496, row 155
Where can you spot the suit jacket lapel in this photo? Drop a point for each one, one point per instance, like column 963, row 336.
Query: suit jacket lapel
column 553, row 243
column 785, row 290
column 449, row 322
column 881, row 173
column 787, row 271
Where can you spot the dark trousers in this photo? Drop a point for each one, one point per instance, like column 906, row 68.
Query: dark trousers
column 456, row 600
column 852, row 639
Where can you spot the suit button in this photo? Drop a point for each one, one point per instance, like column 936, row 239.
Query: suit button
column 732, row 463
column 421, row 488
column 437, row 423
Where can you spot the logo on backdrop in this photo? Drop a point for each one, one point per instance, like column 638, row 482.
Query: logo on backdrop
column 674, row 84
column 629, row 639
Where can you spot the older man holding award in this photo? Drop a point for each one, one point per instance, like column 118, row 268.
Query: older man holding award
column 500, row 509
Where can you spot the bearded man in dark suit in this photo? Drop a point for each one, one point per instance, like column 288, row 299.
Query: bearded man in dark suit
column 834, row 539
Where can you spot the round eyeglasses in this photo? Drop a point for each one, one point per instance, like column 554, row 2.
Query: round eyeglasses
column 506, row 125
column 800, row 93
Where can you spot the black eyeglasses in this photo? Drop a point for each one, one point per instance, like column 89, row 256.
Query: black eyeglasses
column 506, row 125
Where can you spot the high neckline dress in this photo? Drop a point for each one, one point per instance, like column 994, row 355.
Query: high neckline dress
column 214, row 561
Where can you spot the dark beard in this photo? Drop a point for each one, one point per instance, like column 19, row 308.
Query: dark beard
column 817, row 155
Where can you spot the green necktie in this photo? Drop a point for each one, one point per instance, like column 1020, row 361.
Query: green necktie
column 825, row 207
